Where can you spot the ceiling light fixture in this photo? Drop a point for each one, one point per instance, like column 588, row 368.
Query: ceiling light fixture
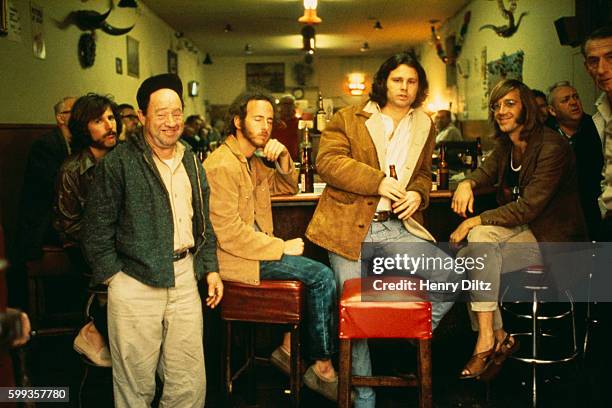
column 228, row 28
column 365, row 47
column 310, row 13
column 127, row 3
column 207, row 59
column 377, row 25
column 248, row 49
column 308, row 39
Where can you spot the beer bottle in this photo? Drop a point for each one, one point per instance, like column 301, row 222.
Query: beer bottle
column 479, row 156
column 443, row 169
column 392, row 172
column 321, row 117
column 307, row 168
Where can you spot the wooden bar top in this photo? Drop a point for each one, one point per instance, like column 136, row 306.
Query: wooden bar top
column 314, row 197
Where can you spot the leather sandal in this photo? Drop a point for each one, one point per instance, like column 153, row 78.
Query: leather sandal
column 478, row 364
column 507, row 347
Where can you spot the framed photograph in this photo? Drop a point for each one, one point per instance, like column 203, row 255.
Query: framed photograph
column 172, row 62
column 269, row 76
column 118, row 66
column 133, row 62
column 4, row 17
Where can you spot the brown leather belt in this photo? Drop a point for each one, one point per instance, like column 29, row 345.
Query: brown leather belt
column 382, row 216
column 177, row 256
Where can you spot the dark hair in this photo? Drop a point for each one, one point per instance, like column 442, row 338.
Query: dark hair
column 538, row 93
column 86, row 109
column 600, row 33
column 192, row 119
column 239, row 107
column 379, row 84
column 529, row 115
column 124, row 106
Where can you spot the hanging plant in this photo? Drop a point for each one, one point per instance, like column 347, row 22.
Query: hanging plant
column 458, row 41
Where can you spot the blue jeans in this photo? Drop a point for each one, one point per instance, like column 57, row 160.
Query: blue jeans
column 383, row 232
column 321, row 310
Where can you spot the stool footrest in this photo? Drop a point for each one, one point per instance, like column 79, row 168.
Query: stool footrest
column 383, row 381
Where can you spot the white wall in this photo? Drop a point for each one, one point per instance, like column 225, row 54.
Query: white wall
column 226, row 77
column 546, row 61
column 30, row 86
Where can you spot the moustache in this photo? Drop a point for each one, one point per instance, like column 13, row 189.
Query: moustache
column 111, row 133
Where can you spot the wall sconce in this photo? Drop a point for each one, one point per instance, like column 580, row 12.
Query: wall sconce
column 310, row 13
column 365, row 47
column 308, row 39
column 207, row 59
column 228, row 28
column 248, row 49
column 377, row 25
column 193, row 88
column 356, row 83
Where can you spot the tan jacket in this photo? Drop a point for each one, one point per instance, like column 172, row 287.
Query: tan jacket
column 350, row 151
column 239, row 200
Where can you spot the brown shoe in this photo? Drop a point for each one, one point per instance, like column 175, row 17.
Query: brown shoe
column 325, row 387
column 507, row 347
column 281, row 360
column 100, row 357
column 478, row 364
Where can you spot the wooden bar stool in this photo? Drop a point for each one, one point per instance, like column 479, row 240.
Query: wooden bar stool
column 54, row 266
column 368, row 318
column 272, row 302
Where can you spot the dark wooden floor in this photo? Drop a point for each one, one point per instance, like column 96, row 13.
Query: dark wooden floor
column 52, row 362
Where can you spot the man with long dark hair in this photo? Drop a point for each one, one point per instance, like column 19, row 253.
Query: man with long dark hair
column 362, row 201
column 94, row 125
column 534, row 171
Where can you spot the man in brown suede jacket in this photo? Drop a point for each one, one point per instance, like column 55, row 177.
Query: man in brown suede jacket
column 535, row 174
column 362, row 202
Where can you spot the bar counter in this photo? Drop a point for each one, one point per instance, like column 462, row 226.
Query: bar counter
column 292, row 213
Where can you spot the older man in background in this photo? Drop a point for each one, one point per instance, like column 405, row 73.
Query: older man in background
column 568, row 118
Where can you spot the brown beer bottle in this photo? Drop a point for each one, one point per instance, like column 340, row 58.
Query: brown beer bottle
column 321, row 116
column 443, row 169
column 392, row 172
column 479, row 155
column 307, row 168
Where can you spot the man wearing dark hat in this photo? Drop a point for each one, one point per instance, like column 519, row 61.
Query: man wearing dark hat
column 147, row 235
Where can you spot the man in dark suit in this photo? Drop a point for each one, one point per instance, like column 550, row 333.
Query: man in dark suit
column 568, row 118
column 44, row 160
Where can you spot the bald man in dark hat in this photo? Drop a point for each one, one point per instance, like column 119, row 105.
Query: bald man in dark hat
column 147, row 235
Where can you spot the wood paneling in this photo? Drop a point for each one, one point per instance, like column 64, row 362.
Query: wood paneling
column 15, row 141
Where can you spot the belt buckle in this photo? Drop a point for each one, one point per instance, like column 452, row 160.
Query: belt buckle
column 177, row 256
column 381, row 216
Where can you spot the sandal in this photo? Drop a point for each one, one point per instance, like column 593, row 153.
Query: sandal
column 478, row 364
column 507, row 347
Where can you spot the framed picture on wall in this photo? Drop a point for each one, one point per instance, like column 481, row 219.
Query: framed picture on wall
column 269, row 76
column 118, row 66
column 133, row 62
column 172, row 62
column 3, row 17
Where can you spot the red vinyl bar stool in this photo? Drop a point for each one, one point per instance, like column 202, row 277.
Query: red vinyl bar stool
column 271, row 302
column 362, row 318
